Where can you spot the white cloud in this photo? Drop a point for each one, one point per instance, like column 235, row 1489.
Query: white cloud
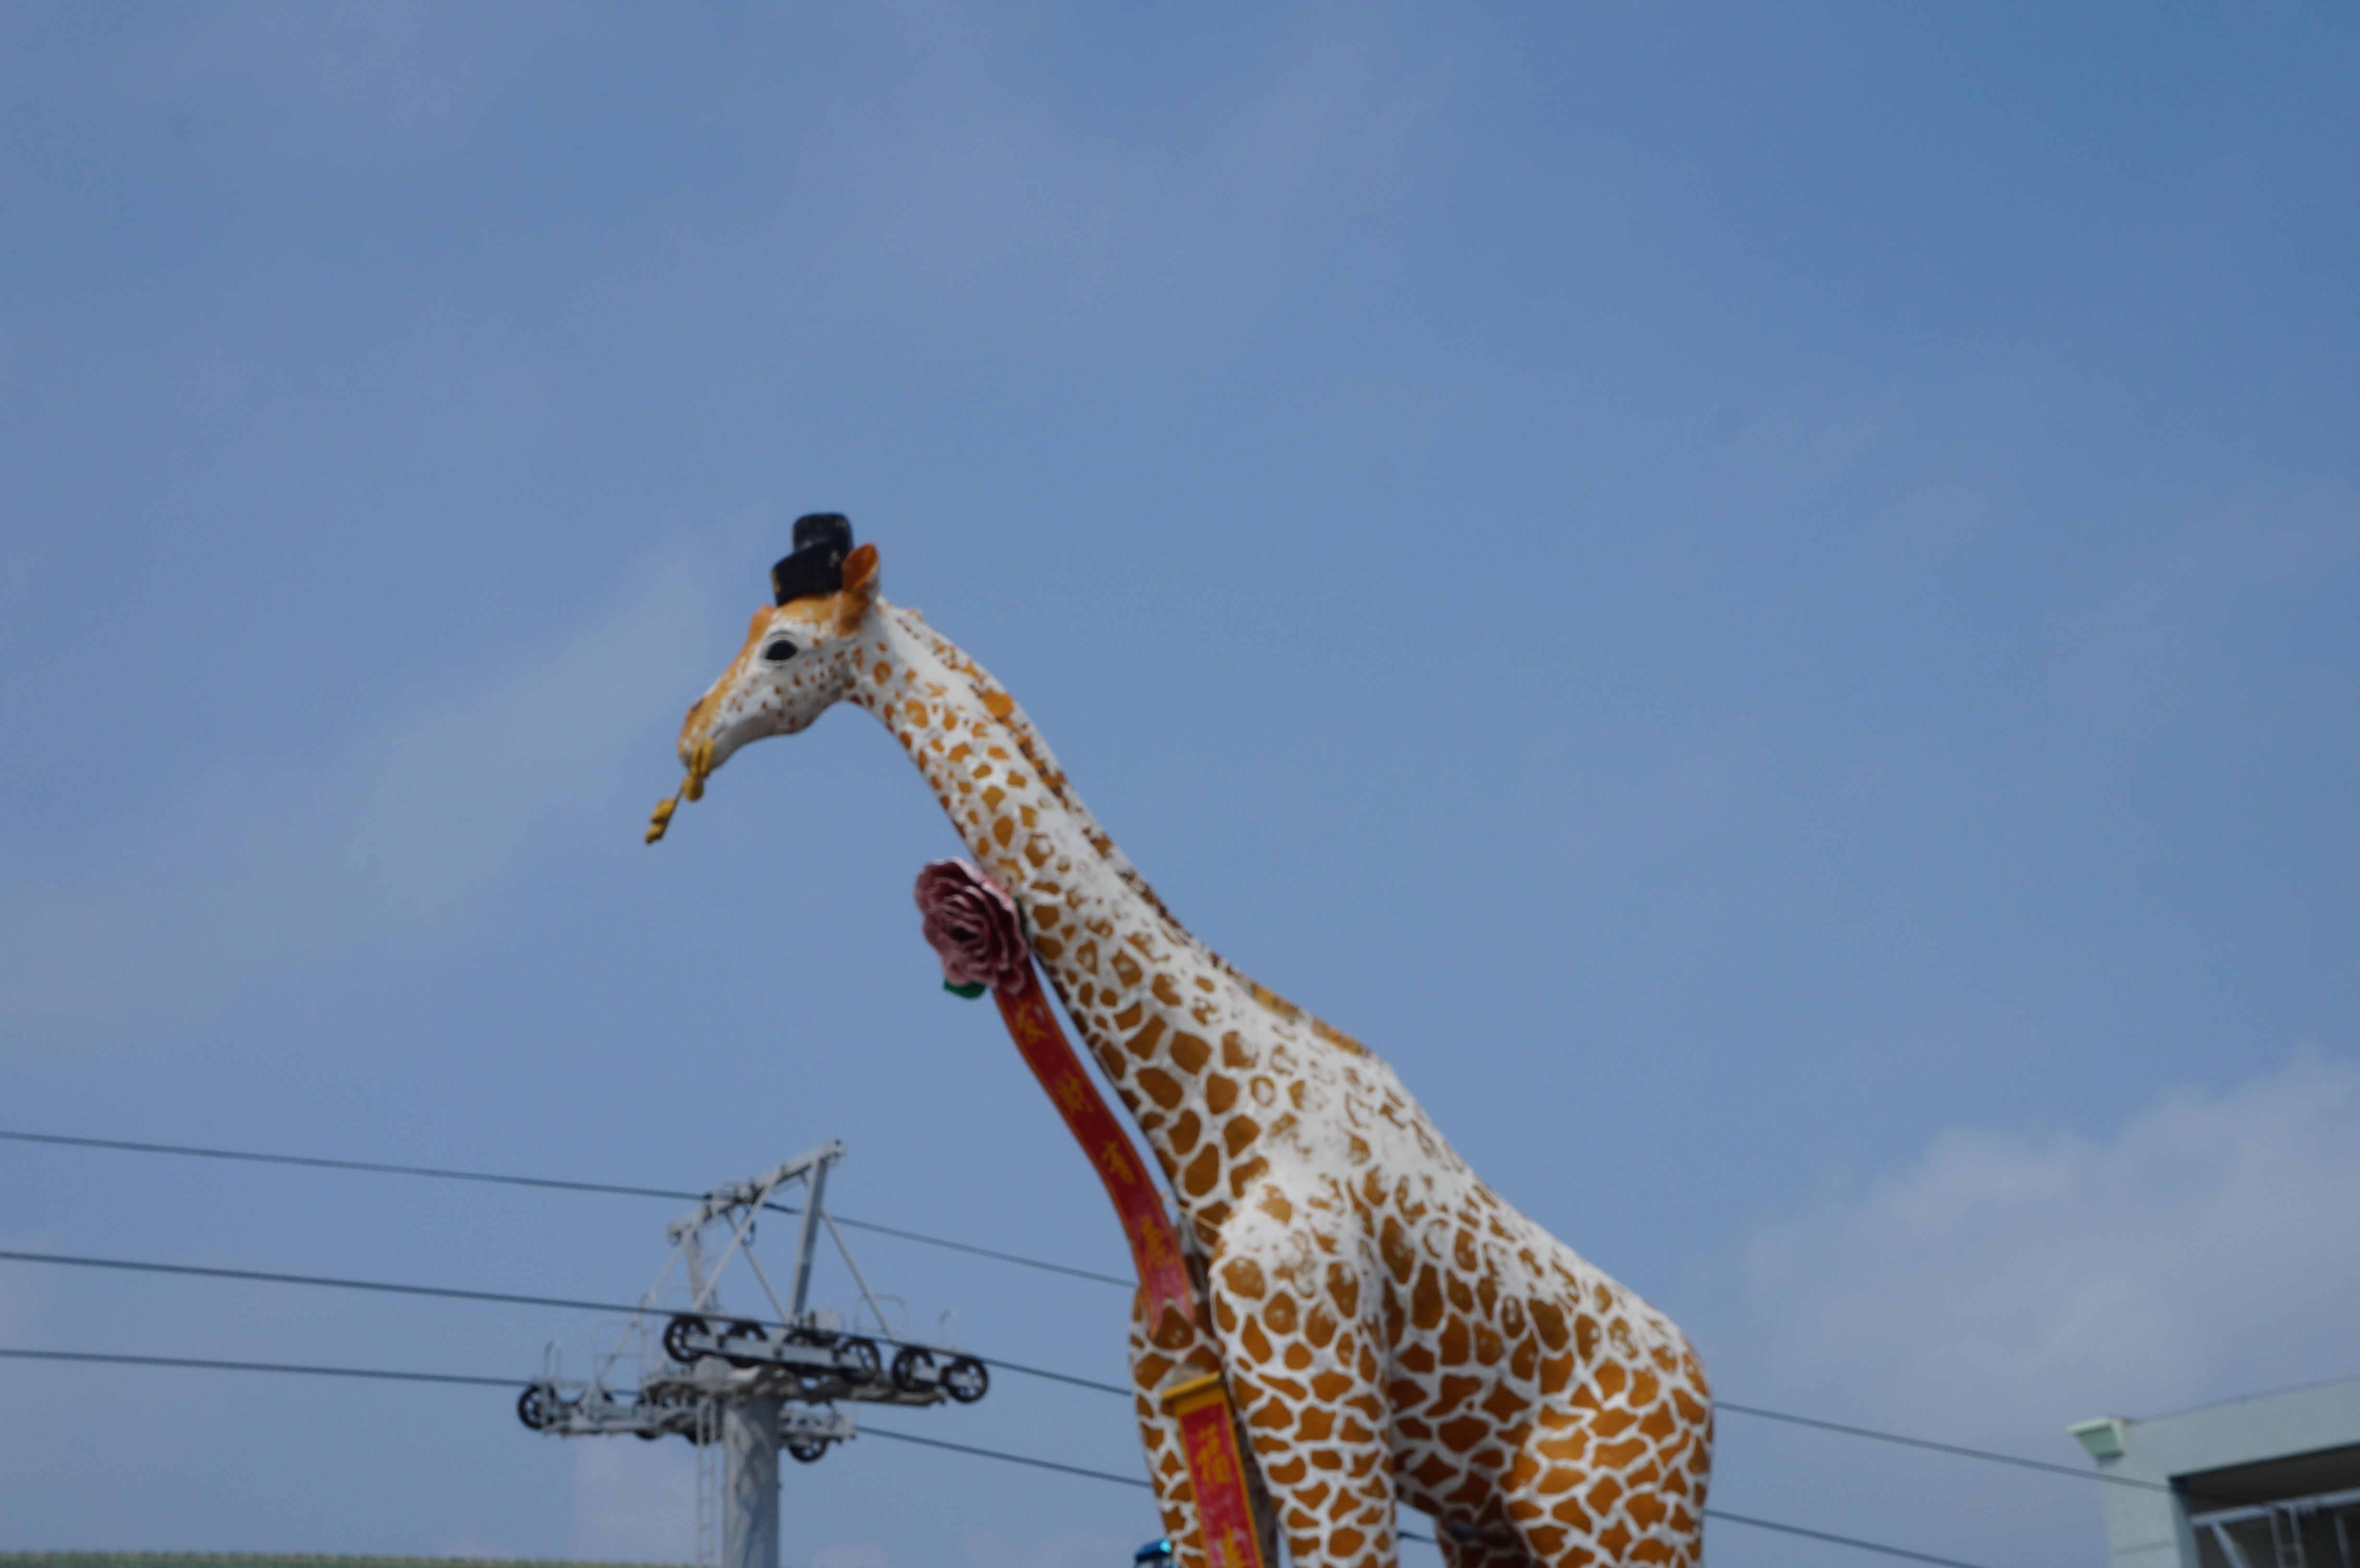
column 2210, row 1248
column 399, row 846
column 2004, row 1285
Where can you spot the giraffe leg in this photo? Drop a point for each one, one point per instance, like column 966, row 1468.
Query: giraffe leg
column 1154, row 1368
column 1303, row 1370
column 1630, row 1516
column 1618, row 1490
column 1491, row 1550
column 1333, row 1498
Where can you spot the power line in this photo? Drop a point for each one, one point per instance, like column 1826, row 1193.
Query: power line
column 1723, row 1515
column 123, row 1145
column 1048, row 1464
column 1852, row 1540
column 442, row 1174
column 549, row 1183
column 203, row 1365
column 563, row 1303
column 1983, row 1454
column 570, row 1304
column 1043, row 1266
column 384, row 1375
column 867, row 1430
column 261, row 1277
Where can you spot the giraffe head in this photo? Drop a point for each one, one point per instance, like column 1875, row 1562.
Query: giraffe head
column 799, row 660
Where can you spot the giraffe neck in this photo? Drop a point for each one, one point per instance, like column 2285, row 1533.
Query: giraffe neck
column 1210, row 1066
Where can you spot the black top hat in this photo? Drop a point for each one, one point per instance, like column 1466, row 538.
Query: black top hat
column 822, row 541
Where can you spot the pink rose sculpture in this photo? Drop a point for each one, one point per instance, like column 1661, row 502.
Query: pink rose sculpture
column 974, row 928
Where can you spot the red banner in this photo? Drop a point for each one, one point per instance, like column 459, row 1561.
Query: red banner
column 1154, row 1248
column 1209, row 1438
column 977, row 930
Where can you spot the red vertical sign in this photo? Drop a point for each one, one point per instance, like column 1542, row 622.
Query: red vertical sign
column 1208, row 1437
column 1154, row 1248
column 977, row 932
column 1207, row 1430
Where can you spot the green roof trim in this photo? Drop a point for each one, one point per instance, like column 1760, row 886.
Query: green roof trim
column 283, row 1560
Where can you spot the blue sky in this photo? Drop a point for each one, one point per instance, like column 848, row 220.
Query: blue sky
column 1763, row 603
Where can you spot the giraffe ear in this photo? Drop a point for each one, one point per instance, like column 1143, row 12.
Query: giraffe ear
column 859, row 586
column 860, row 573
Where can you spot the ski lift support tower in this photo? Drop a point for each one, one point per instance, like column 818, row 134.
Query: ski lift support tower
column 742, row 1388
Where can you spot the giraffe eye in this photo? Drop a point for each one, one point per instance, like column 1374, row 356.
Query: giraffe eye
column 781, row 650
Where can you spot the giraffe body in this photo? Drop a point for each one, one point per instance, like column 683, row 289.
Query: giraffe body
column 1392, row 1331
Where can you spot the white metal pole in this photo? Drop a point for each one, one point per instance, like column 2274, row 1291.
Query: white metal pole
column 750, row 1484
column 807, row 1240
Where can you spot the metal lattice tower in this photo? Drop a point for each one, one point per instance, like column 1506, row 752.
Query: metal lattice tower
column 740, row 1388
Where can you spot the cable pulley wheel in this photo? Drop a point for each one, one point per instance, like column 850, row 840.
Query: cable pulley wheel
column 807, row 1450
column 966, row 1379
column 534, row 1407
column 911, row 1364
column 744, row 1330
column 675, row 1336
column 859, row 1359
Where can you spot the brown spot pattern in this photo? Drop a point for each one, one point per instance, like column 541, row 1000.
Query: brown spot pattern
column 1393, row 1333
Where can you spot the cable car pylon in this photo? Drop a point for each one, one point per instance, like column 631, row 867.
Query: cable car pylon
column 741, row 1388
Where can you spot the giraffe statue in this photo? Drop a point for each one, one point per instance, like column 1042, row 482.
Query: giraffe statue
column 1392, row 1331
